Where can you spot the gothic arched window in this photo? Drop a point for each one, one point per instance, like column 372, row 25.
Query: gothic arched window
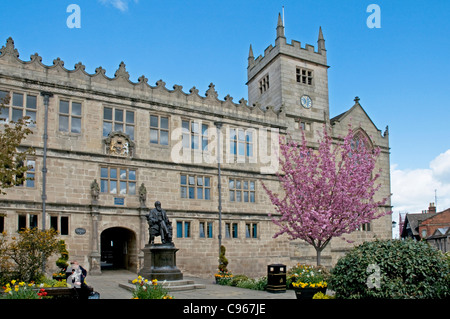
column 360, row 138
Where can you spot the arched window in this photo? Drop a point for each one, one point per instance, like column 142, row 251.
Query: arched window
column 360, row 138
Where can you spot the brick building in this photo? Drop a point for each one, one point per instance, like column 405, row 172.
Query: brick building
column 115, row 146
column 429, row 225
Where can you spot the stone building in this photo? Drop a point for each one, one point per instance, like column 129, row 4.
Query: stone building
column 115, row 146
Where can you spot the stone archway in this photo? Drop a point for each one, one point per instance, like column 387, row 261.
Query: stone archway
column 118, row 249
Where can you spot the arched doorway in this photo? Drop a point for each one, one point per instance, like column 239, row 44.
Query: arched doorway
column 118, row 249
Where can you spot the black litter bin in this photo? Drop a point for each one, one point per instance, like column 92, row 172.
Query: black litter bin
column 276, row 278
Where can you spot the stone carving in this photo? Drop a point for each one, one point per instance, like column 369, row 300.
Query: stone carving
column 122, row 71
column 142, row 195
column 95, row 190
column 119, row 143
column 159, row 225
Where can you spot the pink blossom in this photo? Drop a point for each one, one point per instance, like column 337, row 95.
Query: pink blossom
column 328, row 191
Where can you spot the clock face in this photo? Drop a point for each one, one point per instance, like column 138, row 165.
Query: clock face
column 306, row 102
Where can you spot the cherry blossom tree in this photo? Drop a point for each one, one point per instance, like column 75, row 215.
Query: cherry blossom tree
column 328, row 191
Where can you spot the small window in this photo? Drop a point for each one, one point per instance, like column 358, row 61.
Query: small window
column 194, row 135
column 31, row 173
column 19, row 106
column 159, row 130
column 115, row 119
column 241, row 190
column 21, row 222
column 54, row 222
column 60, row 223
column 183, row 229
column 304, row 126
column 251, row 230
column 241, row 142
column 231, row 230
column 206, row 230
column 118, row 180
column 69, row 116
column 264, row 84
column 26, row 178
column 195, row 187
column 234, row 230
column 64, row 225
column 304, row 76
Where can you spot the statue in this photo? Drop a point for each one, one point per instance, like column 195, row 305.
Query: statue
column 159, row 225
column 95, row 190
column 142, row 195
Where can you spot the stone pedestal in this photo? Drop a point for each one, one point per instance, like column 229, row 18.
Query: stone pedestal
column 160, row 263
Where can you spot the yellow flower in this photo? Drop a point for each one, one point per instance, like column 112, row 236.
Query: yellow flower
column 155, row 282
column 13, row 281
column 134, row 281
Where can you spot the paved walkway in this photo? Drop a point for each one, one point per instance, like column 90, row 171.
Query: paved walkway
column 107, row 284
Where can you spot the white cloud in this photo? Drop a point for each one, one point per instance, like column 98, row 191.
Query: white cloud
column 441, row 167
column 414, row 190
column 122, row 5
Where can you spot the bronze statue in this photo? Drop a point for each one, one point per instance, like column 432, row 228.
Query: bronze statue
column 159, row 225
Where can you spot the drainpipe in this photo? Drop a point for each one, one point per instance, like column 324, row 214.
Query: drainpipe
column 219, row 185
column 46, row 96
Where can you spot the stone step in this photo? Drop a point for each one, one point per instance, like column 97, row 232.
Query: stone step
column 176, row 285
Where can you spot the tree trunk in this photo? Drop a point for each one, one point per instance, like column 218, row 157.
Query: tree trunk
column 318, row 252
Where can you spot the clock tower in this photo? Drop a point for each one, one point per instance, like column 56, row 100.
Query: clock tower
column 293, row 79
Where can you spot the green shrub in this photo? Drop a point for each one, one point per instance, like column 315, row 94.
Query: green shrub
column 405, row 269
column 251, row 283
column 223, row 261
column 237, row 279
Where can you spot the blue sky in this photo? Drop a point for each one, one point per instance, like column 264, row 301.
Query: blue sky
column 400, row 71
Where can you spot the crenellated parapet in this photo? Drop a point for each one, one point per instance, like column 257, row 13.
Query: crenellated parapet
column 120, row 85
column 294, row 49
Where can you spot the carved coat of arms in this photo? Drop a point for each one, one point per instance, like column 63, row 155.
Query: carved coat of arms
column 119, row 143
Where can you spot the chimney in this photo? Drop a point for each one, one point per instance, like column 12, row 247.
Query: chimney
column 432, row 208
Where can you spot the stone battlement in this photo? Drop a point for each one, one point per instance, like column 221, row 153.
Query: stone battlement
column 120, row 85
column 293, row 50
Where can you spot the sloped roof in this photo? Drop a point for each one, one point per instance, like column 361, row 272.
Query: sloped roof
column 440, row 233
column 341, row 116
column 414, row 220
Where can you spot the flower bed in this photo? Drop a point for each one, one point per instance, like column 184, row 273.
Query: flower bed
column 145, row 289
